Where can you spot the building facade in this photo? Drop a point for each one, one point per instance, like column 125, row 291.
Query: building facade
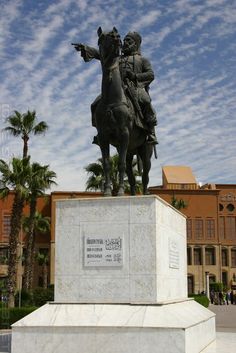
column 210, row 212
column 42, row 241
column 211, row 226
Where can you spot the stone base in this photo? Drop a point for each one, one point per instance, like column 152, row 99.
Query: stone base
column 152, row 235
column 184, row 327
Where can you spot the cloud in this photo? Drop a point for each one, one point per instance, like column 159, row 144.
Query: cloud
column 190, row 45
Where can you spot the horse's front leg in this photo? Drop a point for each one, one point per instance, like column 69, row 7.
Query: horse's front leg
column 130, row 173
column 122, row 150
column 105, row 150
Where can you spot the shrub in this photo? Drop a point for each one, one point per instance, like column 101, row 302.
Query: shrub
column 26, row 298
column 41, row 296
column 9, row 316
column 201, row 299
column 216, row 286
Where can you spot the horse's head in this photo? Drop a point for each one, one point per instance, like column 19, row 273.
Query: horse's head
column 109, row 44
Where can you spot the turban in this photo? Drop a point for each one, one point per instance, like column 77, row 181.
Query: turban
column 136, row 37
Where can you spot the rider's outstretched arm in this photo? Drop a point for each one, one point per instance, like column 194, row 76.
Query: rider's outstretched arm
column 87, row 53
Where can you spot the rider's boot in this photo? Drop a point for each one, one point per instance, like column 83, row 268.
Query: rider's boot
column 151, row 137
column 95, row 140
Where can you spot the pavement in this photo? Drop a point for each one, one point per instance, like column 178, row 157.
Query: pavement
column 5, row 341
column 225, row 317
column 225, row 329
column 225, row 332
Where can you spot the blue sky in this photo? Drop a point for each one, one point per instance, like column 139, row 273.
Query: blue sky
column 191, row 45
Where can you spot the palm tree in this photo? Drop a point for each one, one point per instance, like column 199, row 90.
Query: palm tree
column 178, row 204
column 41, row 178
column 41, row 225
column 96, row 176
column 43, row 260
column 23, row 125
column 14, row 177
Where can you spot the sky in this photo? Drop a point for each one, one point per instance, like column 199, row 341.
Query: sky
column 192, row 48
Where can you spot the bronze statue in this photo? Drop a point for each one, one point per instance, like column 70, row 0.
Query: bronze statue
column 123, row 114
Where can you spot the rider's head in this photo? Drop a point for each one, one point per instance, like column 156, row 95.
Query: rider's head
column 132, row 42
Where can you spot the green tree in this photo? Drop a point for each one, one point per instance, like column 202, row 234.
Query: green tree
column 178, row 203
column 24, row 125
column 15, row 177
column 40, row 179
column 41, row 225
column 95, row 172
column 43, row 260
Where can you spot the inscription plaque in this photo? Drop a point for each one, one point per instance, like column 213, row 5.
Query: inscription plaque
column 173, row 254
column 103, row 251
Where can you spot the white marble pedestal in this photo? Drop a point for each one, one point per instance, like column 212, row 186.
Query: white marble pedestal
column 184, row 327
column 120, row 283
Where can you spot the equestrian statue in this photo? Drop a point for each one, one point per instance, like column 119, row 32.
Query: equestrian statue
column 123, row 114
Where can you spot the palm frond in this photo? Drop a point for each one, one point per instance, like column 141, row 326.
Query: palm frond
column 40, row 128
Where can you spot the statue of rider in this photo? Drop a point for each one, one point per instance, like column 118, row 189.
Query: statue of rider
column 135, row 68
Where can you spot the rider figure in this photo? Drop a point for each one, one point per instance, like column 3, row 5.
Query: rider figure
column 136, row 69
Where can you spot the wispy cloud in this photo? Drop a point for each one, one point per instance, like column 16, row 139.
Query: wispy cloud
column 191, row 47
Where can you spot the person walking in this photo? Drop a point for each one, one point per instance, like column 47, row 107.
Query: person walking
column 232, row 297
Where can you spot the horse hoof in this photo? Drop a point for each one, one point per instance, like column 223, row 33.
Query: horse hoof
column 107, row 192
column 146, row 192
column 121, row 192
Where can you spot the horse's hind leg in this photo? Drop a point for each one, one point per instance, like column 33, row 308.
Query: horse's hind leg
column 130, row 173
column 122, row 150
column 145, row 153
column 105, row 150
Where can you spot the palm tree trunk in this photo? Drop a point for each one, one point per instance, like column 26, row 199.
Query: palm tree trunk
column 45, row 275
column 25, row 146
column 17, row 210
column 29, row 247
column 33, row 255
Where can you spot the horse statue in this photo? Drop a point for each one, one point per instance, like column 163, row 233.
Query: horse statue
column 115, row 120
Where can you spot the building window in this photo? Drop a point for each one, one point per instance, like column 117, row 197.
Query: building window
column 221, row 207
column 212, row 278
column 210, row 228
column 224, row 257
column 225, row 278
column 189, row 255
column 198, row 229
column 233, row 257
column 6, row 223
column 210, row 256
column 230, row 207
column 222, row 227
column 3, row 256
column 230, row 228
column 189, row 228
column 197, row 256
column 190, row 284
